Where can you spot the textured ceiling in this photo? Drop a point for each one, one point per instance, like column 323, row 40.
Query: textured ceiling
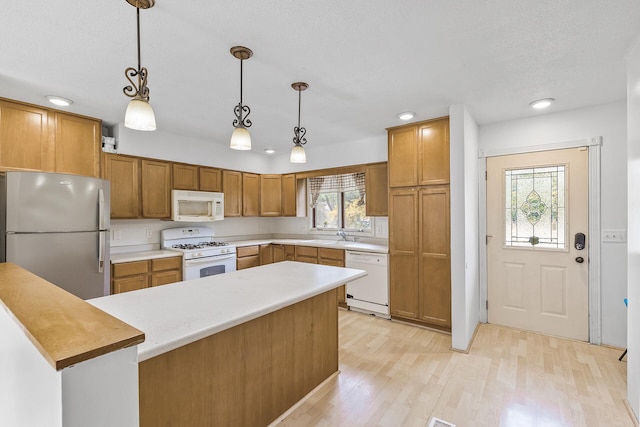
column 365, row 61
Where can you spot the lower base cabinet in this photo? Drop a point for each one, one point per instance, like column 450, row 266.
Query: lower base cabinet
column 247, row 257
column 131, row 276
column 334, row 257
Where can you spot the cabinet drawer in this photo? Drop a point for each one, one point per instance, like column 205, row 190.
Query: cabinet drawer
column 248, row 262
column 309, row 259
column 306, row 251
column 160, row 264
column 248, row 251
column 328, row 253
column 130, row 284
column 166, row 277
column 130, row 268
column 332, row 262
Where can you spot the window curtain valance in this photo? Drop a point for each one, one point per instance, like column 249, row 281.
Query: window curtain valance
column 344, row 182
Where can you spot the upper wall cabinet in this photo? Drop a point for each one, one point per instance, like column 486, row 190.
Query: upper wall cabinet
column 270, row 195
column 156, row 188
column 185, row 177
column 377, row 190
column 419, row 154
column 77, row 144
column 289, row 195
column 232, row 189
column 44, row 139
column 210, row 179
column 250, row 194
column 24, row 137
column 123, row 174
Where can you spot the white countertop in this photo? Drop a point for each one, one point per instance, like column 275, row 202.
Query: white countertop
column 142, row 255
column 180, row 313
column 334, row 244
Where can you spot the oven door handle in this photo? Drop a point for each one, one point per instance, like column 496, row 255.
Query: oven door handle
column 208, row 260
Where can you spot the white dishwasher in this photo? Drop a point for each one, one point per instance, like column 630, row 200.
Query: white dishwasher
column 369, row 294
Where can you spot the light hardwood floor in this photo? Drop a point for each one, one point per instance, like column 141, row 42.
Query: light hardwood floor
column 398, row 375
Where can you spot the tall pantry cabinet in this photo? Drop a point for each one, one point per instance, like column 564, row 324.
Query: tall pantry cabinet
column 419, row 230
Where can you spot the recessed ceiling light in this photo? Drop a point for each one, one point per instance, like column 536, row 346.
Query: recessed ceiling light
column 59, row 101
column 269, row 150
column 407, row 115
column 541, row 103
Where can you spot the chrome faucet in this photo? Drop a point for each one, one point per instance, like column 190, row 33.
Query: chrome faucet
column 342, row 235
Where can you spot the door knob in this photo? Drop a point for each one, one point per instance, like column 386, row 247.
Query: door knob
column 579, row 260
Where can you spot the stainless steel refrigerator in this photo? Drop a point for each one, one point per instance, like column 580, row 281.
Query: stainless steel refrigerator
column 57, row 227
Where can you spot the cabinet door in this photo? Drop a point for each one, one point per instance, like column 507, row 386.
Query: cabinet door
column 277, row 252
column 266, row 254
column 403, row 156
column 156, row 189
column 377, row 190
column 24, row 137
column 435, row 271
column 166, row 277
column 210, row 179
column 250, row 194
column 289, row 252
column 289, row 195
column 403, row 248
column 131, row 283
column 342, row 293
column 248, row 262
column 122, row 172
column 77, row 144
column 185, row 177
column 270, row 195
column 232, row 189
column 433, row 140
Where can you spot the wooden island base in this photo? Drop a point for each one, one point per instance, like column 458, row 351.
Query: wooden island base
column 247, row 375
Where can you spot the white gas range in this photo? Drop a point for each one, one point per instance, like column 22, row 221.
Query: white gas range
column 201, row 255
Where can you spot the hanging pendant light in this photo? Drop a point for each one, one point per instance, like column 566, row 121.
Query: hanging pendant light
column 139, row 115
column 297, row 152
column 240, row 139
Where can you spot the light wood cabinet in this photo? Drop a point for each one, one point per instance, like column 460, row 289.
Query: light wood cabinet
column 185, row 177
column 24, row 137
column 156, row 188
column 277, row 253
column 232, row 189
column 250, row 194
column 377, row 190
column 289, row 195
column 247, row 257
column 419, row 154
column 270, row 195
column 419, row 228
column 123, row 174
column 335, row 258
column 210, row 179
column 266, row 254
column 77, row 144
column 289, row 252
column 131, row 276
column 307, row 254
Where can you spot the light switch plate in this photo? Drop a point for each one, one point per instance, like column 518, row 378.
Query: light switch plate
column 614, row 236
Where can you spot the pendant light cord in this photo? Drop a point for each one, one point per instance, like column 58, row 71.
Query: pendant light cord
column 241, row 61
column 138, row 19
column 299, row 104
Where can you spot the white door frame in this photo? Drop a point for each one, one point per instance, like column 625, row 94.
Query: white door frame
column 594, row 143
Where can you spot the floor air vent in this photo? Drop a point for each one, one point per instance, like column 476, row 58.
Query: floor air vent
column 437, row 422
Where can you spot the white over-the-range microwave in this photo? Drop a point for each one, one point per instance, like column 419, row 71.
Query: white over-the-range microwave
column 196, row 206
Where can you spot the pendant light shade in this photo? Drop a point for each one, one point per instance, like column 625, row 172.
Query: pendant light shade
column 297, row 152
column 298, row 155
column 139, row 114
column 241, row 139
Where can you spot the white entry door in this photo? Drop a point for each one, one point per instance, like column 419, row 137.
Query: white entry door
column 537, row 204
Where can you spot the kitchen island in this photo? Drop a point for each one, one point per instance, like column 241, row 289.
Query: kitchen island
column 233, row 349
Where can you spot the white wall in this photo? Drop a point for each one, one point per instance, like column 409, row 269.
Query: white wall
column 179, row 148
column 464, row 226
column 608, row 121
column 633, row 234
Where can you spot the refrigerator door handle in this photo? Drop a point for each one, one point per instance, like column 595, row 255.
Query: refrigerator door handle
column 101, row 250
column 101, row 209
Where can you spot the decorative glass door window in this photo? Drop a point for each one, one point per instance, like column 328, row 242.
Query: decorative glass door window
column 535, row 212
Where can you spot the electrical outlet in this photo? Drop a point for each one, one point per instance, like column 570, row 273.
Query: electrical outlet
column 614, row 236
column 149, row 233
column 116, row 234
column 378, row 230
